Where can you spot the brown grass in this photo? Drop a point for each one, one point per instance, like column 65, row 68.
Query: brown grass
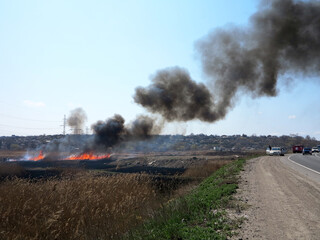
column 10, row 169
column 83, row 208
column 82, row 205
column 11, row 153
column 205, row 169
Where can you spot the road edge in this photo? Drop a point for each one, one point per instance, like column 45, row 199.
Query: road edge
column 311, row 174
column 289, row 158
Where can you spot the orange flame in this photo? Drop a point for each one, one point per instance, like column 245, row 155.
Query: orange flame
column 87, row 156
column 39, row 157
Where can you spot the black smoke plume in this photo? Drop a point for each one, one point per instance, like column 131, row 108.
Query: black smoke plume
column 143, row 127
column 176, row 96
column 113, row 131
column 107, row 134
column 77, row 119
column 283, row 37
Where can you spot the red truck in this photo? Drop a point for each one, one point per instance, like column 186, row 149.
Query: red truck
column 297, row 149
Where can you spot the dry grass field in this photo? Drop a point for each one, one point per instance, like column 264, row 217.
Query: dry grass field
column 11, row 170
column 205, row 169
column 81, row 204
column 11, row 154
column 84, row 207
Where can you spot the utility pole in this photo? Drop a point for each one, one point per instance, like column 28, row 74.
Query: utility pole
column 64, row 124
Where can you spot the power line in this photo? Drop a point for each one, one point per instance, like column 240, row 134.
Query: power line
column 27, row 119
column 64, row 124
column 26, row 132
column 19, row 106
column 11, row 104
column 4, row 125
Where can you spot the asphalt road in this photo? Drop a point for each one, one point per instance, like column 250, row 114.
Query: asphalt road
column 308, row 161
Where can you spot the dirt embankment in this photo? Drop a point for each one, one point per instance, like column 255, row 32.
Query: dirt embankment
column 281, row 202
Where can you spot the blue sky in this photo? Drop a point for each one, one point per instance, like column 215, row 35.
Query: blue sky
column 59, row 55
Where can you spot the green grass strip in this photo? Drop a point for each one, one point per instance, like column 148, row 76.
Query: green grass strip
column 198, row 215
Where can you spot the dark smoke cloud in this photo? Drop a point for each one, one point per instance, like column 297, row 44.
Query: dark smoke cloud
column 107, row 134
column 76, row 120
column 70, row 144
column 113, row 131
column 143, row 127
column 176, row 96
column 283, row 38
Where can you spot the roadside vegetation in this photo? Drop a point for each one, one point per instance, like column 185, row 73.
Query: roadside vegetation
column 200, row 214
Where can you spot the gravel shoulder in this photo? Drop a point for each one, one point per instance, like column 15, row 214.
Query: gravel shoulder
column 279, row 200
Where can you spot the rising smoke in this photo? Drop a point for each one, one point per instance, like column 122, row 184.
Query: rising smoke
column 176, row 96
column 113, row 131
column 76, row 120
column 283, row 37
column 107, row 134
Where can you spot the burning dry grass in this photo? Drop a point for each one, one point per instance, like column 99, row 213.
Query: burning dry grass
column 83, row 208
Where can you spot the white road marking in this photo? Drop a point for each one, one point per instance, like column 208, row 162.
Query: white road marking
column 303, row 166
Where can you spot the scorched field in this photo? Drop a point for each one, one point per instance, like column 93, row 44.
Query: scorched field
column 95, row 199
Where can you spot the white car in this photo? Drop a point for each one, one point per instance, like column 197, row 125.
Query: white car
column 315, row 149
column 268, row 151
column 277, row 151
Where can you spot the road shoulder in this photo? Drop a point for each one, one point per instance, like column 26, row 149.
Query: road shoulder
column 313, row 176
column 281, row 202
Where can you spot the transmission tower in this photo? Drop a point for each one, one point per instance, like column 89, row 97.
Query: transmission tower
column 64, row 124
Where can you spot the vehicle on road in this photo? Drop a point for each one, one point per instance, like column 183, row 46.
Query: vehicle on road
column 315, row 150
column 268, row 151
column 306, row 151
column 297, row 149
column 277, row 151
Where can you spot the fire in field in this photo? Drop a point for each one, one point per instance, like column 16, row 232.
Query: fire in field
column 85, row 187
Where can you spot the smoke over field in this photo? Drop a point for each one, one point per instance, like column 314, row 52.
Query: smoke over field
column 176, row 96
column 107, row 134
column 77, row 119
column 283, row 37
column 112, row 131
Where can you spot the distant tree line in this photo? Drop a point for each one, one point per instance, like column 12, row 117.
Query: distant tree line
column 161, row 143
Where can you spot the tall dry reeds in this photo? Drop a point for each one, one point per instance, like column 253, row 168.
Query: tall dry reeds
column 205, row 169
column 82, row 208
column 8, row 169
